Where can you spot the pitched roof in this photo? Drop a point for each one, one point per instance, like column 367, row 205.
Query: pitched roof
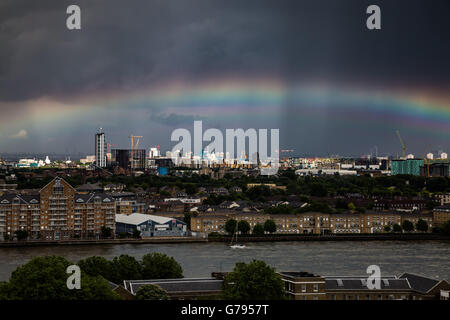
column 91, row 197
column 177, row 285
column 23, row 198
column 57, row 178
column 419, row 283
column 360, row 283
column 138, row 218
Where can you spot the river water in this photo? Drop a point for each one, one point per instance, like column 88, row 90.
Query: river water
column 344, row 258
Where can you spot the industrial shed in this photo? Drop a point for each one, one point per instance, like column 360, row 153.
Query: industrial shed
column 150, row 225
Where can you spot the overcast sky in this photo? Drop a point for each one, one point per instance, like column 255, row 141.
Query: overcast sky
column 145, row 67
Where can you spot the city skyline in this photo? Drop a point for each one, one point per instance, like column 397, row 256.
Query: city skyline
column 312, row 70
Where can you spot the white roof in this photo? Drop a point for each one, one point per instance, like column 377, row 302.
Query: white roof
column 138, row 218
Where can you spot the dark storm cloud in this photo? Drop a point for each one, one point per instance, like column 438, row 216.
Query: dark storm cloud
column 124, row 44
column 127, row 45
column 174, row 119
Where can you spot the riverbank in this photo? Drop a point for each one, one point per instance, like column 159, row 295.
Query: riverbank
column 242, row 239
column 346, row 237
column 36, row 243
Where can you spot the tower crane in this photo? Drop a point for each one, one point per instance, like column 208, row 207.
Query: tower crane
column 427, row 162
column 402, row 143
column 132, row 137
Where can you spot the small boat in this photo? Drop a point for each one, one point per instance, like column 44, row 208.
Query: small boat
column 236, row 245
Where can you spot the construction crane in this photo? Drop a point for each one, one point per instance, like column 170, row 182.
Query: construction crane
column 401, row 142
column 132, row 137
column 109, row 147
column 427, row 161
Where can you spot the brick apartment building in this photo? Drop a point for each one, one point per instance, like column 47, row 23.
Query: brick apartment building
column 57, row 212
column 308, row 286
column 311, row 222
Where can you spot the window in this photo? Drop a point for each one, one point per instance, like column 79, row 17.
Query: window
column 303, row 287
column 316, row 287
column 290, row 286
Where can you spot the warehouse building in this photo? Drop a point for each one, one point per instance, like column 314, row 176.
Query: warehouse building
column 150, row 225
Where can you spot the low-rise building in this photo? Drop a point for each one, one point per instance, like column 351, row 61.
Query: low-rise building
column 441, row 215
column 407, row 205
column 443, row 198
column 149, row 225
column 181, row 289
column 310, row 222
column 307, row 286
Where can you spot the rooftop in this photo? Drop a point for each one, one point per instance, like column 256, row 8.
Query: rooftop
column 300, row 274
column 138, row 218
column 420, row 283
column 182, row 285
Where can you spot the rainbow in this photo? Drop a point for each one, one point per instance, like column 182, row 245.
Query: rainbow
column 229, row 99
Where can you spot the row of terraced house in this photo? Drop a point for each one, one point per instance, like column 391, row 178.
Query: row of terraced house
column 57, row 212
column 319, row 223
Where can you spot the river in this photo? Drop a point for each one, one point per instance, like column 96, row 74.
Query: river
column 430, row 258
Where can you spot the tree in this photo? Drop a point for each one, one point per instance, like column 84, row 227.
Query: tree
column 45, row 278
column 21, row 234
column 151, row 292
column 270, row 226
column 422, row 225
column 136, row 234
column 407, row 226
column 230, row 226
column 318, row 190
column 446, row 228
column 190, row 188
column 125, row 267
column 243, row 227
column 387, row 228
column 95, row 266
column 341, row 204
column 106, row 232
column 258, row 229
column 351, row 206
column 4, row 290
column 187, row 219
column 253, row 281
column 160, row 266
column 397, row 228
column 280, row 209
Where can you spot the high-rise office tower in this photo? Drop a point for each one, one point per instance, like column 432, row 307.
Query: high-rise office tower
column 100, row 149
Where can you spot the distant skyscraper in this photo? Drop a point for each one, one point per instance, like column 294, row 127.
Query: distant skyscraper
column 100, row 149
